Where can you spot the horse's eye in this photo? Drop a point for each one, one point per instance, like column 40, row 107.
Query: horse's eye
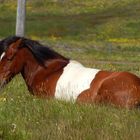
column 9, row 59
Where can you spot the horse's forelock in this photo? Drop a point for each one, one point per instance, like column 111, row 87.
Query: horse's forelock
column 5, row 43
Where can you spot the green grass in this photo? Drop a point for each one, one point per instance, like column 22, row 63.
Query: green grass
column 99, row 33
column 26, row 117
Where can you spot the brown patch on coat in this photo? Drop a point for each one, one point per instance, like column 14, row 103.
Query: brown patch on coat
column 117, row 88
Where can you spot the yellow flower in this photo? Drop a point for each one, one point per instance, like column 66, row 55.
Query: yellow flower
column 3, row 99
column 35, row 37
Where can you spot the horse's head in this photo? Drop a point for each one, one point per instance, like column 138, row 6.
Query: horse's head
column 25, row 55
column 9, row 63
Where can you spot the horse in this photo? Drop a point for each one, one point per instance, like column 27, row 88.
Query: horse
column 48, row 74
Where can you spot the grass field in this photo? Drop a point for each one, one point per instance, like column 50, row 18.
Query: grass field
column 104, row 34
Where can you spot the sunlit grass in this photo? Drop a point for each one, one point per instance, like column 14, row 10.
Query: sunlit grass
column 26, row 117
column 102, row 34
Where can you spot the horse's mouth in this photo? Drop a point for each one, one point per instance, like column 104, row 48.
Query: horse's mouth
column 2, row 84
column 4, row 79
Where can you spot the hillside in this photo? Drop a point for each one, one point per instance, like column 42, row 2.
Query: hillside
column 105, row 26
column 103, row 34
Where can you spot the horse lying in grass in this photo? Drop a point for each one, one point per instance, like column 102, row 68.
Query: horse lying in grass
column 51, row 75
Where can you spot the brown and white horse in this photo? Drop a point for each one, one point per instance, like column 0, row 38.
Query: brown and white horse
column 48, row 74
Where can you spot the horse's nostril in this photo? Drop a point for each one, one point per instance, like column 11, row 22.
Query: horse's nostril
column 2, row 83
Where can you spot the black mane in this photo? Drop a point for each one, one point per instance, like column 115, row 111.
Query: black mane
column 40, row 52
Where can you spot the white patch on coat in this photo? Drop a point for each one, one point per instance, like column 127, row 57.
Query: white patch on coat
column 74, row 79
column 2, row 55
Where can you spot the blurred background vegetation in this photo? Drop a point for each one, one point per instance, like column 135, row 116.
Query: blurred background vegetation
column 104, row 34
column 98, row 28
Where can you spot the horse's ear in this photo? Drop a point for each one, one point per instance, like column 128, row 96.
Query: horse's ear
column 17, row 44
column 14, row 48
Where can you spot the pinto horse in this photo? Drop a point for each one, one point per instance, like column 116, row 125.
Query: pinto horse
column 49, row 74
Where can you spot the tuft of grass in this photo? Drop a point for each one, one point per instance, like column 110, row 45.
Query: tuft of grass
column 24, row 116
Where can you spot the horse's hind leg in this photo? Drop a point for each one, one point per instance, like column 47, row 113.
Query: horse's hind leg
column 120, row 91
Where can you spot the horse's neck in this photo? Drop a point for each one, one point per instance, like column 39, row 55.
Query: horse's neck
column 30, row 69
column 36, row 75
